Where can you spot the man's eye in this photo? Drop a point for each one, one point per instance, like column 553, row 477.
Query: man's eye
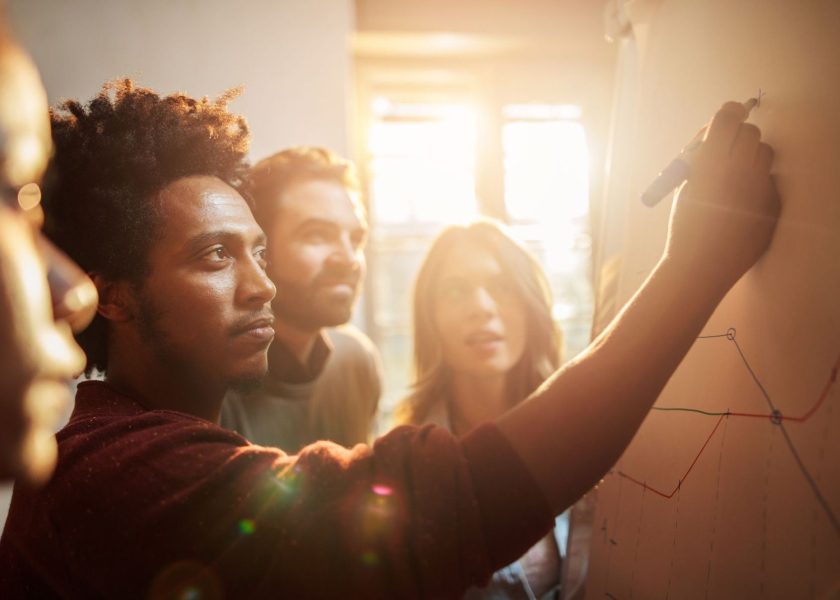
column 218, row 253
column 359, row 241
column 316, row 236
column 262, row 257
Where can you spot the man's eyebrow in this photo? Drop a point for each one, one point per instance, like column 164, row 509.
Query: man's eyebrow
column 316, row 221
column 200, row 241
column 322, row 222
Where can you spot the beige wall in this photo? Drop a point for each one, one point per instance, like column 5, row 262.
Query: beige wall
column 291, row 56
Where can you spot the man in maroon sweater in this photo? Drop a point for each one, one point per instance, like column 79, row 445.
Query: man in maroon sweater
column 151, row 498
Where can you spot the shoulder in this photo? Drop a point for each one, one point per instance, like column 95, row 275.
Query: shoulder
column 348, row 338
column 352, row 349
column 147, row 431
column 108, row 429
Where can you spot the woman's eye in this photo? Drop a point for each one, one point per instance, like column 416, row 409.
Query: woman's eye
column 501, row 287
column 453, row 291
column 498, row 289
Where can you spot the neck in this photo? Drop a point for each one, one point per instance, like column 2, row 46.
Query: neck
column 156, row 385
column 476, row 400
column 299, row 341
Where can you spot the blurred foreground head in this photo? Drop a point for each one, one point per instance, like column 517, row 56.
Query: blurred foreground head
column 43, row 295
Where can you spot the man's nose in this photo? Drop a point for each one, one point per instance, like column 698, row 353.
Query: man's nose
column 256, row 287
column 346, row 254
column 74, row 296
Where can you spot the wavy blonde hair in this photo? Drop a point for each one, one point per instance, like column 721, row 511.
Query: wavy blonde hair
column 542, row 349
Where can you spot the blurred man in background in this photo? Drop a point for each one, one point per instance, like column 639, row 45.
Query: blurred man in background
column 323, row 382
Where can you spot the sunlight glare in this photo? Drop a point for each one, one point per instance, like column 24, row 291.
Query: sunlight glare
column 423, row 163
column 546, row 171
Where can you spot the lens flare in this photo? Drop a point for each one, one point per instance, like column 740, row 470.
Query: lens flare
column 382, row 490
column 247, row 526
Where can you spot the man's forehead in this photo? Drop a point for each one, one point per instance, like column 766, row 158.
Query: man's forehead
column 194, row 205
column 200, row 193
column 322, row 199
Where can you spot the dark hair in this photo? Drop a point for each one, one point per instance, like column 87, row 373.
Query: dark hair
column 272, row 176
column 112, row 157
column 542, row 350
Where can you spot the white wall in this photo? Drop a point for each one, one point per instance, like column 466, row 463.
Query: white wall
column 291, row 56
column 758, row 514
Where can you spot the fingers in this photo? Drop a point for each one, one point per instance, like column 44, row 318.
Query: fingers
column 724, row 127
column 775, row 208
column 745, row 145
column 764, row 156
column 727, row 134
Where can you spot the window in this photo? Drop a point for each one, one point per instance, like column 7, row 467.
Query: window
column 546, row 192
column 422, row 174
column 422, row 163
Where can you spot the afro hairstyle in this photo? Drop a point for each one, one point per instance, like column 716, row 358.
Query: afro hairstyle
column 112, row 157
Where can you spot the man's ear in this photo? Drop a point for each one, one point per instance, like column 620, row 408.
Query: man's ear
column 116, row 298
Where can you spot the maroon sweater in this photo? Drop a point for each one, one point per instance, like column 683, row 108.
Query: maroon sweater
column 163, row 503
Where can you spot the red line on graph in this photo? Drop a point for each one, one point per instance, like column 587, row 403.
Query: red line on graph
column 776, row 418
column 800, row 419
column 810, row 412
column 685, row 475
column 823, row 396
column 832, row 379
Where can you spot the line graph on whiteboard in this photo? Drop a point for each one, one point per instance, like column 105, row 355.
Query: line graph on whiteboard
column 714, row 501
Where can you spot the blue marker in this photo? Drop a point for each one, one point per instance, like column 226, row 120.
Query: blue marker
column 678, row 169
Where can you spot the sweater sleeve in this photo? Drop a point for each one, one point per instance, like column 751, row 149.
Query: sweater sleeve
column 419, row 515
column 159, row 506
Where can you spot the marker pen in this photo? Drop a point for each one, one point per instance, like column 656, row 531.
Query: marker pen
column 678, row 169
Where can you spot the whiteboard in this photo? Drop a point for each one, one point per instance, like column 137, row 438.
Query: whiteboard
column 731, row 488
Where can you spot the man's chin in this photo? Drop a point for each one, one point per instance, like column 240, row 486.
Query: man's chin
column 316, row 319
column 315, row 310
column 246, row 384
column 250, row 376
column 333, row 314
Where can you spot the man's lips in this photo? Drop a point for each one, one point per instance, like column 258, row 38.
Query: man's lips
column 259, row 328
column 350, row 279
column 339, row 286
column 352, row 283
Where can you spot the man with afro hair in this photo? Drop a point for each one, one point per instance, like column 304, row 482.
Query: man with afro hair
column 151, row 498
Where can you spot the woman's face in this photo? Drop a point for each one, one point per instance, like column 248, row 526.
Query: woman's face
column 479, row 317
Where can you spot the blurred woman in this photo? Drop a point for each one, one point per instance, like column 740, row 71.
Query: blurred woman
column 484, row 340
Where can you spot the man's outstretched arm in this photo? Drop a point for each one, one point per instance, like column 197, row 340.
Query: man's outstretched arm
column 579, row 422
